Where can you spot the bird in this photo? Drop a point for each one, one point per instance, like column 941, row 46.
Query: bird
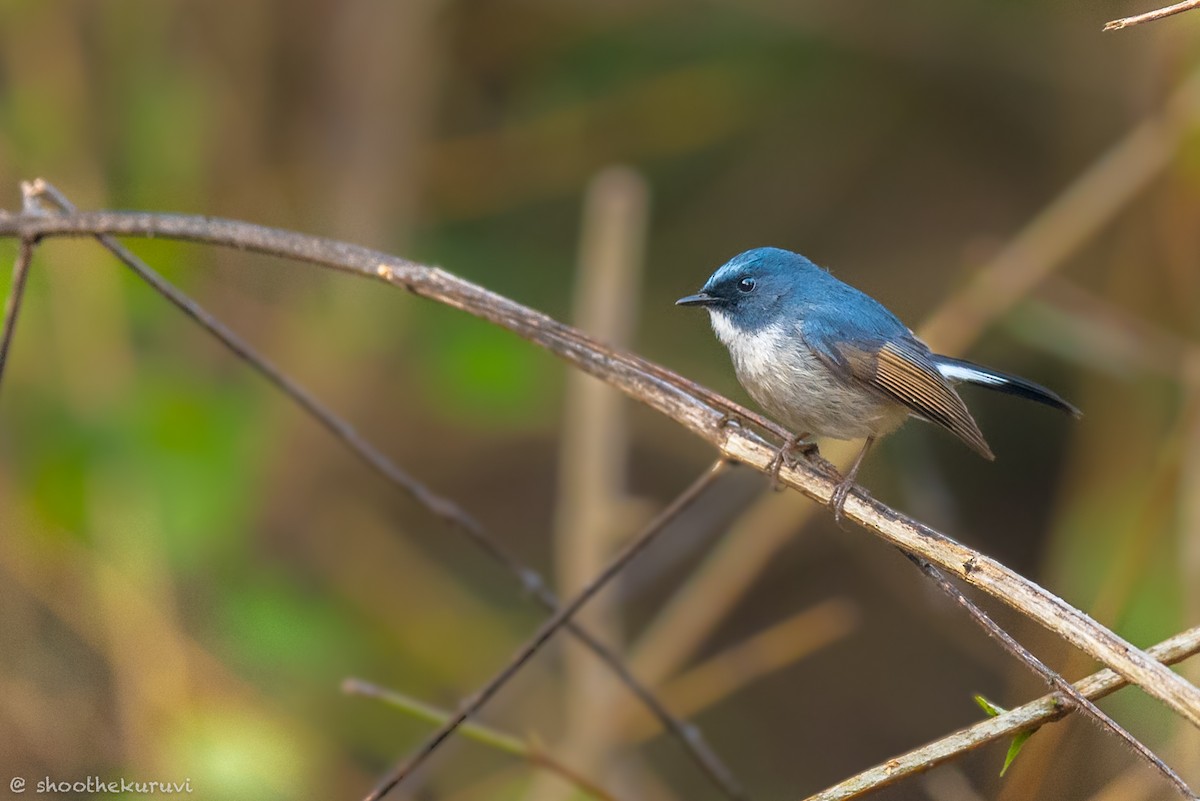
column 827, row 360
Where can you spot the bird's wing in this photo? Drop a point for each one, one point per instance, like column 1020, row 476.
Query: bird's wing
column 902, row 369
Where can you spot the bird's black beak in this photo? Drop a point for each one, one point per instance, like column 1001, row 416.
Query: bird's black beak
column 699, row 299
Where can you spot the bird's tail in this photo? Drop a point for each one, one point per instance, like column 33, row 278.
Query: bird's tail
column 958, row 370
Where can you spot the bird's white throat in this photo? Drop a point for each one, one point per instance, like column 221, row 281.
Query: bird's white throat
column 754, row 353
column 723, row 327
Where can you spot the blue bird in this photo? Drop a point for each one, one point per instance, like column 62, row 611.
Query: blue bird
column 827, row 360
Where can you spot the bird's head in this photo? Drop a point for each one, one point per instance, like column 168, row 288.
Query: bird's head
column 755, row 289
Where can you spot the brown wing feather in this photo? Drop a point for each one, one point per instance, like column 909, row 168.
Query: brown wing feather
column 904, row 372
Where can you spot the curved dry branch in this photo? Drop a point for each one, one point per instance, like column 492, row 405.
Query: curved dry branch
column 698, row 410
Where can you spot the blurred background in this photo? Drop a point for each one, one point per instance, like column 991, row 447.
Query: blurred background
column 190, row 567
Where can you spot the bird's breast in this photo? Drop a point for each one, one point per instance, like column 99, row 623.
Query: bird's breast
column 781, row 372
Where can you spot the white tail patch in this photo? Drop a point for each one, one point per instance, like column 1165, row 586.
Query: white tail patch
column 960, row 372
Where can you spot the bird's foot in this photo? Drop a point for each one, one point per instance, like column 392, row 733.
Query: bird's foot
column 837, row 501
column 796, row 445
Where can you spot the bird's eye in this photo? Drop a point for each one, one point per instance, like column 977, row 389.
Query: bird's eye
column 746, row 285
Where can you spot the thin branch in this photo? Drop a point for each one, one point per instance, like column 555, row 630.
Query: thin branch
column 689, row 736
column 1074, row 698
column 661, row 390
column 473, row 704
column 1023, row 718
column 1151, row 16
column 16, row 294
column 529, row 751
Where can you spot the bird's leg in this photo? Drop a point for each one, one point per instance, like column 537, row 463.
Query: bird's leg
column 838, row 499
column 796, row 443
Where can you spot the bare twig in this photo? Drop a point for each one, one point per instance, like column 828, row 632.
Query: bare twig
column 1074, row 697
column 1151, row 16
column 688, row 735
column 656, row 387
column 547, row 629
column 528, row 750
column 12, row 307
column 1023, row 718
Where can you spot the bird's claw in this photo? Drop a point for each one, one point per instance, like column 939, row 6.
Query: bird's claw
column 788, row 455
column 837, row 500
column 776, row 465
